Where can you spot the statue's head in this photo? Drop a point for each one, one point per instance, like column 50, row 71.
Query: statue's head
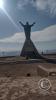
column 27, row 23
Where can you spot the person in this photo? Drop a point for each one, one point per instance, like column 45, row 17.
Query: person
column 27, row 29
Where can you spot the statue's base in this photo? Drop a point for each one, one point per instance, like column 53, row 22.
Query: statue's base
column 29, row 50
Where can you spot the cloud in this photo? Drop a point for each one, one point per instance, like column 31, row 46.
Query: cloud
column 47, row 34
column 42, row 5
column 18, row 37
column 46, row 5
column 22, row 3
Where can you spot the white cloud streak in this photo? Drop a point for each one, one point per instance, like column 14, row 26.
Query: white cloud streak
column 47, row 34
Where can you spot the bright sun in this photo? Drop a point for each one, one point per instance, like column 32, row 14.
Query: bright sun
column 1, row 4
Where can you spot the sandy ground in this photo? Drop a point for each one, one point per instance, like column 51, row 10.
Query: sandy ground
column 25, row 88
column 17, row 86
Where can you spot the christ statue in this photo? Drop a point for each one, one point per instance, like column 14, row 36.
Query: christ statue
column 27, row 29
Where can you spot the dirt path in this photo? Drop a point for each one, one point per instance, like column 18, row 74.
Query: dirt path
column 24, row 88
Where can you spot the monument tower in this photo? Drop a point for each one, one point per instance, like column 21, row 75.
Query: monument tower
column 29, row 49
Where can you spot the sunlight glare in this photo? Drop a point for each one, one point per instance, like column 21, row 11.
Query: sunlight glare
column 4, row 10
column 1, row 4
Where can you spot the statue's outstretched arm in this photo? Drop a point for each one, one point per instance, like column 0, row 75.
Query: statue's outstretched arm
column 33, row 24
column 21, row 23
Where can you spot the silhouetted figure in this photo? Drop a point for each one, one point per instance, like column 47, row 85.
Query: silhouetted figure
column 29, row 50
column 27, row 29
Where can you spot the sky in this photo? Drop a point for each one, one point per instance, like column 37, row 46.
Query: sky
column 43, row 12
